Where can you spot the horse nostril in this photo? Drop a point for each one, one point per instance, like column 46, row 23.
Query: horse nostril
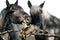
column 46, row 32
column 40, row 32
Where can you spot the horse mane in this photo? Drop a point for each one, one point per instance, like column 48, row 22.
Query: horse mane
column 46, row 15
column 2, row 16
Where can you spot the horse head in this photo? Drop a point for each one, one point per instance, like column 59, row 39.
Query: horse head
column 36, row 12
column 17, row 12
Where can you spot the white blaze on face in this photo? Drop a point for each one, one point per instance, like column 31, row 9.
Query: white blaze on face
column 51, row 32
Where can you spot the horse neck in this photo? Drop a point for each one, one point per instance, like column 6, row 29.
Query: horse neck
column 5, row 20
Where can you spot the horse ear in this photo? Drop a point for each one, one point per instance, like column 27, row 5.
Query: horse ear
column 16, row 2
column 29, row 4
column 42, row 4
column 7, row 3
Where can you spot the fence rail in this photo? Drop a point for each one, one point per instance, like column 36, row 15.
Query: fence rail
column 41, row 34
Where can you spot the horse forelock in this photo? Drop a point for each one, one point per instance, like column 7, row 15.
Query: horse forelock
column 35, row 9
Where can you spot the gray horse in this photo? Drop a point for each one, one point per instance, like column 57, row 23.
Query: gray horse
column 11, row 18
column 45, row 21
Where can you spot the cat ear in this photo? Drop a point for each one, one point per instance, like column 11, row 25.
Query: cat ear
column 41, row 5
column 16, row 2
column 29, row 4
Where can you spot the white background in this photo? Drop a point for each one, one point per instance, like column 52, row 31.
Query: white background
column 52, row 6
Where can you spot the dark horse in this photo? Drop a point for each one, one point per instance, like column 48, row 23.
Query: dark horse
column 45, row 21
column 12, row 16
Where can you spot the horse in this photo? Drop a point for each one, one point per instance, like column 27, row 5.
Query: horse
column 12, row 16
column 45, row 21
